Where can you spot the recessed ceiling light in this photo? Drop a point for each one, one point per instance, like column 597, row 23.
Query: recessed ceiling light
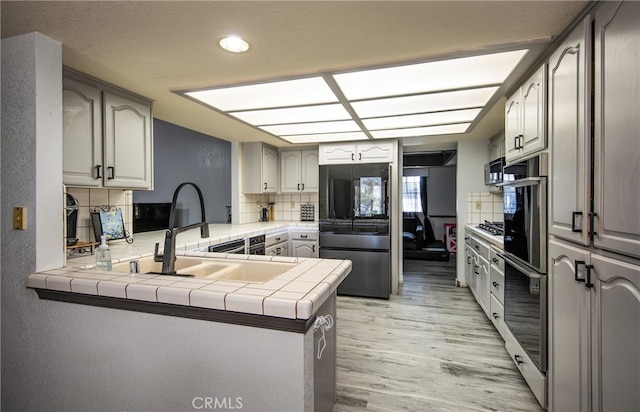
column 234, row 44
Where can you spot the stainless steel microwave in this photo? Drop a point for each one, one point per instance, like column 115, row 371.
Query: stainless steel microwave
column 493, row 172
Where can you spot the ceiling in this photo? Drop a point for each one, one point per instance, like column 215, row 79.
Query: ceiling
column 155, row 48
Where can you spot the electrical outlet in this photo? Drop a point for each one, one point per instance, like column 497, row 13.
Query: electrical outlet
column 478, row 204
column 19, row 218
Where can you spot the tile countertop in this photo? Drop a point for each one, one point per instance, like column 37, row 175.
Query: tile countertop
column 496, row 241
column 294, row 294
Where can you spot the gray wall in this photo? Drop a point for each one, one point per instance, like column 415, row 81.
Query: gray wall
column 183, row 155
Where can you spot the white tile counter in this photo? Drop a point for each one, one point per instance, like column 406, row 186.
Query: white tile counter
column 295, row 294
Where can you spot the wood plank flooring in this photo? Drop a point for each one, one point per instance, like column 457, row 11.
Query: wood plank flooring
column 429, row 348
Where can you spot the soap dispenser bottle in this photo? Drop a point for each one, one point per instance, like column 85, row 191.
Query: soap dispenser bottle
column 103, row 255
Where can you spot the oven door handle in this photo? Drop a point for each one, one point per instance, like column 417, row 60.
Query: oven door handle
column 522, row 268
column 527, row 181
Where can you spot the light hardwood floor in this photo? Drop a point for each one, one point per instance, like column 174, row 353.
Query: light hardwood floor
column 429, row 348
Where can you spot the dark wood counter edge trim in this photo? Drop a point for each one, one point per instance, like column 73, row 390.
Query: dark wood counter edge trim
column 191, row 312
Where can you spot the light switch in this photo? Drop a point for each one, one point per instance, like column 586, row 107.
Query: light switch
column 19, row 218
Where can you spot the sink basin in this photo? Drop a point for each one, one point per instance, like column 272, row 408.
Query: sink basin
column 219, row 269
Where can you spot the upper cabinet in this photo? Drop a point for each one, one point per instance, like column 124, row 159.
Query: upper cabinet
column 525, row 118
column 569, row 135
column 299, row 171
column 496, row 147
column 107, row 136
column 259, row 168
column 360, row 152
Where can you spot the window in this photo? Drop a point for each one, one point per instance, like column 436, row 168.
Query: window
column 411, row 198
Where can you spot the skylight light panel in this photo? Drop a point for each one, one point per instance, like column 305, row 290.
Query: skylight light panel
column 312, row 128
column 465, row 72
column 423, row 119
column 316, row 113
column 325, row 137
column 313, row 90
column 424, row 103
column 421, row 131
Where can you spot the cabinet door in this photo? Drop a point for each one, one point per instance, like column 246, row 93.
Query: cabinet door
column 310, row 171
column 337, row 153
column 568, row 330
column 303, row 248
column 128, row 143
column 374, row 152
column 291, row 164
column 533, row 112
column 483, row 284
column 270, row 169
column 82, row 134
column 569, row 131
column 469, row 255
column 512, row 127
column 616, row 335
column 617, row 127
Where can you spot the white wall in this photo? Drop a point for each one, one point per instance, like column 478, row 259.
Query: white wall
column 472, row 155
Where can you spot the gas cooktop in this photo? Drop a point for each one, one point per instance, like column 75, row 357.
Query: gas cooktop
column 494, row 228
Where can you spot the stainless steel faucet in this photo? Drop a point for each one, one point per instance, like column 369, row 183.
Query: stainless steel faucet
column 168, row 257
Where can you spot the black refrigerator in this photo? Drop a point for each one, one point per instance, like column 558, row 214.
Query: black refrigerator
column 354, row 225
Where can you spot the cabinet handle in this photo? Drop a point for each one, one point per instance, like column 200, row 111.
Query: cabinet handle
column 495, row 260
column 303, row 186
column 98, row 175
column 518, row 360
column 520, row 137
column 359, row 156
column 277, row 239
column 468, row 260
column 587, row 277
column 495, row 284
column 298, row 186
column 495, row 316
column 265, row 185
column 303, row 236
column 112, row 172
column 313, row 248
column 474, row 270
column 353, row 156
column 573, row 222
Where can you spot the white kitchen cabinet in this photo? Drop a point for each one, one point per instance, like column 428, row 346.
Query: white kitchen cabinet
column 361, row 152
column 496, row 288
column 299, row 171
column 128, row 150
column 276, row 243
column 259, row 168
column 469, row 256
column 569, row 135
column 477, row 255
column 594, row 331
column 117, row 153
column 496, row 147
column 528, row 369
column 616, row 121
column 525, row 118
column 304, row 243
column 82, row 134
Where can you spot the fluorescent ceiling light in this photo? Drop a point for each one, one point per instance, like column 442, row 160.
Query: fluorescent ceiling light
column 313, row 90
column 234, row 44
column 428, row 98
column 316, row 113
column 424, row 103
column 421, row 131
column 466, row 72
column 424, row 119
column 326, row 137
column 312, row 128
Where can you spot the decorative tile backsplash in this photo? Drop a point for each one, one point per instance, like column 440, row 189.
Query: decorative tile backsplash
column 483, row 206
column 90, row 198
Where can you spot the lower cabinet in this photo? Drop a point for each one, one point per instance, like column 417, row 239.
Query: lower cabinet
column 535, row 379
column 594, row 331
column 324, row 356
column 276, row 244
column 304, row 243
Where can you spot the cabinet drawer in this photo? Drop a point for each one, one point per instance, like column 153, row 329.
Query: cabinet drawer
column 480, row 247
column 274, row 238
column 534, row 378
column 496, row 261
column 497, row 285
column 496, row 314
column 304, row 235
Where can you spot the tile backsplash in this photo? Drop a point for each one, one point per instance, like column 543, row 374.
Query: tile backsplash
column 483, row 206
column 90, row 198
column 286, row 206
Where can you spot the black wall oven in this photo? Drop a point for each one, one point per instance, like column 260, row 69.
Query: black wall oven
column 525, row 246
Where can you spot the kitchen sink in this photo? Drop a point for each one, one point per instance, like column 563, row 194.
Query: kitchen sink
column 238, row 271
